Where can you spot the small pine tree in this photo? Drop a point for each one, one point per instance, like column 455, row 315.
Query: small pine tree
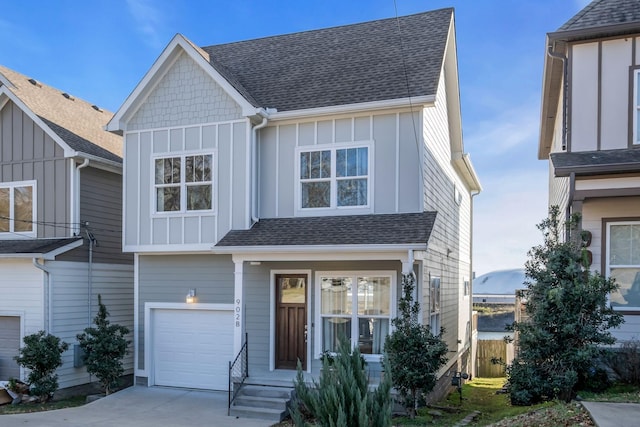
column 568, row 317
column 104, row 348
column 42, row 355
column 414, row 353
column 342, row 397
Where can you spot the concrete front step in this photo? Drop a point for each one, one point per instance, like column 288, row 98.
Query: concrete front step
column 262, row 402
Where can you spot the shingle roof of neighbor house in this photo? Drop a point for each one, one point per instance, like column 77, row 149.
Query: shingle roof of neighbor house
column 594, row 162
column 604, row 13
column 372, row 61
column 76, row 122
column 34, row 246
column 388, row 229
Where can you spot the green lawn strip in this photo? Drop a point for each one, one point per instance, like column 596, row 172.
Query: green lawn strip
column 478, row 395
column 24, row 408
column 619, row 393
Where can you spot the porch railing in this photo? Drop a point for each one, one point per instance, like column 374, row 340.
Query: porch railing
column 238, row 372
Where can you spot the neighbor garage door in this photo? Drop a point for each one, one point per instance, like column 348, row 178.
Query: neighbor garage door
column 192, row 348
column 9, row 345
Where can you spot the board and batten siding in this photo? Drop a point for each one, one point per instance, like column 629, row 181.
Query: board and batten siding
column 168, row 278
column 28, row 153
column 186, row 113
column 101, row 214
column 70, row 309
column 600, row 92
column 394, row 176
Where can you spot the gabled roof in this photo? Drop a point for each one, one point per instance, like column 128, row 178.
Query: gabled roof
column 596, row 162
column 75, row 122
column 37, row 248
column 599, row 19
column 372, row 61
column 331, row 231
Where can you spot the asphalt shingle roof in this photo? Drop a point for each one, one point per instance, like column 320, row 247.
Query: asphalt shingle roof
column 34, row 246
column 75, row 121
column 372, row 61
column 605, row 161
column 604, row 13
column 388, row 229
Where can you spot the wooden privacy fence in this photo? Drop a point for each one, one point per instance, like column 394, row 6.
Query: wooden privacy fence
column 488, row 349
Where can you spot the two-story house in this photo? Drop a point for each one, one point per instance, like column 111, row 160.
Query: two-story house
column 590, row 133
column 278, row 188
column 60, row 221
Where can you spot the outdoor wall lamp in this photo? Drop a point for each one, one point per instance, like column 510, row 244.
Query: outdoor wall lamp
column 191, row 296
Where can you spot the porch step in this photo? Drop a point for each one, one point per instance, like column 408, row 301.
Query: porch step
column 262, row 402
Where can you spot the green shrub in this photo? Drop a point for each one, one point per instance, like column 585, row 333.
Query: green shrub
column 625, row 362
column 342, row 396
column 104, row 348
column 414, row 354
column 42, row 355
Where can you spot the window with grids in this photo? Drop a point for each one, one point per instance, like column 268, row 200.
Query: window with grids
column 334, row 178
column 17, row 213
column 434, row 305
column 356, row 307
column 623, row 263
column 184, row 183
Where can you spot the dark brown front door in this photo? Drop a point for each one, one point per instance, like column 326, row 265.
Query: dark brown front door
column 291, row 320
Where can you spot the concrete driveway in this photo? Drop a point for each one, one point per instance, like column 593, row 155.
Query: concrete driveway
column 141, row 406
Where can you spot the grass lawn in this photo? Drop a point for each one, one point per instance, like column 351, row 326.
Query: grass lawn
column 38, row 407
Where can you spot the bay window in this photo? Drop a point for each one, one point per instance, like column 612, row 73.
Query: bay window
column 357, row 307
column 17, row 208
column 334, row 177
column 184, row 183
column 623, row 263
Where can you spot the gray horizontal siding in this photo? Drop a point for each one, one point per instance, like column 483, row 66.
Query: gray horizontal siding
column 168, row 278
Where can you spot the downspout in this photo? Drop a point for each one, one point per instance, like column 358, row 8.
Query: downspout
column 471, row 361
column 76, row 211
column 568, row 209
column 92, row 242
column 565, row 90
column 48, row 315
column 254, row 173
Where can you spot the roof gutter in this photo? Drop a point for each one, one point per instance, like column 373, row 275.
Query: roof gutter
column 98, row 162
column 330, row 249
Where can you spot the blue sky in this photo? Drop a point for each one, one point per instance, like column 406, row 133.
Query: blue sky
column 99, row 50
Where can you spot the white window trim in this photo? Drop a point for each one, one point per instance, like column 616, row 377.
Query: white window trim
column 608, row 265
column 183, row 184
column 636, row 107
column 435, row 314
column 333, row 206
column 34, row 206
column 354, row 325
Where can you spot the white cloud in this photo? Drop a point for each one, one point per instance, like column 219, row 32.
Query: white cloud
column 149, row 21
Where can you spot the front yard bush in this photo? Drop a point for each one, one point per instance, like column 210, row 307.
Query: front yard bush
column 42, row 355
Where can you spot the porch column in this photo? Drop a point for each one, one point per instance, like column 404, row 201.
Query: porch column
column 238, row 305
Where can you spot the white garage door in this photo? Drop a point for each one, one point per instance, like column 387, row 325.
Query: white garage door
column 9, row 345
column 192, row 348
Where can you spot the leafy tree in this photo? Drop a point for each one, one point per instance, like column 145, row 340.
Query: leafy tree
column 342, row 397
column 568, row 317
column 414, row 353
column 42, row 355
column 104, row 348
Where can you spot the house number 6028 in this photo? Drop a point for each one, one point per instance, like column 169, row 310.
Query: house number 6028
column 238, row 309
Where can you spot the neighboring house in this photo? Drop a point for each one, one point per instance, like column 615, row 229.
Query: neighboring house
column 60, row 221
column 590, row 132
column 283, row 185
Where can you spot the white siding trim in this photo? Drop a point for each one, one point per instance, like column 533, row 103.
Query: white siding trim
column 136, row 319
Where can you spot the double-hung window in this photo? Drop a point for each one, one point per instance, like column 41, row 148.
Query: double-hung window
column 357, row 307
column 434, row 305
column 17, row 208
column 184, row 183
column 334, row 177
column 623, row 263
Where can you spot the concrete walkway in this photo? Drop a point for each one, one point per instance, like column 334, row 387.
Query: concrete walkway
column 614, row 414
column 141, row 407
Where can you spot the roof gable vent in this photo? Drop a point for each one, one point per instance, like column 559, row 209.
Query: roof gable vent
column 34, row 82
column 95, row 107
column 66, row 95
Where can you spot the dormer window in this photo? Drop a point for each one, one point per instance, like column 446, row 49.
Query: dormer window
column 334, row 178
column 17, row 208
